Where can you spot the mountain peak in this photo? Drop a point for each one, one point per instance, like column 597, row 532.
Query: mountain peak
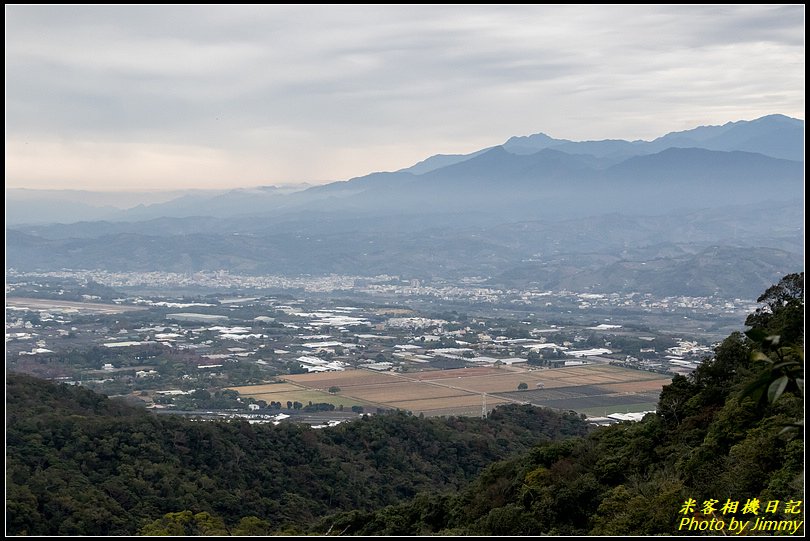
column 779, row 118
column 529, row 144
column 535, row 138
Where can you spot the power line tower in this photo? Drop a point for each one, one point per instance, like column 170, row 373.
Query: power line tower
column 483, row 405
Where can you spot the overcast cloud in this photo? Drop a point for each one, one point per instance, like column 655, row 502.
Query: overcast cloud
column 152, row 97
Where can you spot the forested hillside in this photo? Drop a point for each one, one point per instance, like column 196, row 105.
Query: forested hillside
column 726, row 442
column 78, row 463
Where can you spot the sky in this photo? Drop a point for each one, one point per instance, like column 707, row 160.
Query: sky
column 212, row 97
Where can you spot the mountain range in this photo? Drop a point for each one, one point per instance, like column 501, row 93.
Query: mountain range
column 735, row 190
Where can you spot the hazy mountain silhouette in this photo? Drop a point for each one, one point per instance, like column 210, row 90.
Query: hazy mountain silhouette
column 593, row 214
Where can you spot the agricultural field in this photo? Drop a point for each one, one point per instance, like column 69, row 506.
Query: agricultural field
column 251, row 390
column 54, row 305
column 461, row 404
column 348, row 378
column 590, row 389
column 595, row 390
column 284, row 392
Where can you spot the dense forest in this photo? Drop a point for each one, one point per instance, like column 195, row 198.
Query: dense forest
column 725, row 443
column 78, row 463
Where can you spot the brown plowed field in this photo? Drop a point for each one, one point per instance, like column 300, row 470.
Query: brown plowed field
column 446, row 392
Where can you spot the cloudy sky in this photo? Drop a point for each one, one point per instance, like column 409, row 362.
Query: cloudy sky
column 152, row 97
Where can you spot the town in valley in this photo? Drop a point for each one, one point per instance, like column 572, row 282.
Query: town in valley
column 324, row 349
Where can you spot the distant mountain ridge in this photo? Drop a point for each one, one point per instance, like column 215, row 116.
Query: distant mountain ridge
column 774, row 136
column 777, row 136
column 553, row 184
column 443, row 217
